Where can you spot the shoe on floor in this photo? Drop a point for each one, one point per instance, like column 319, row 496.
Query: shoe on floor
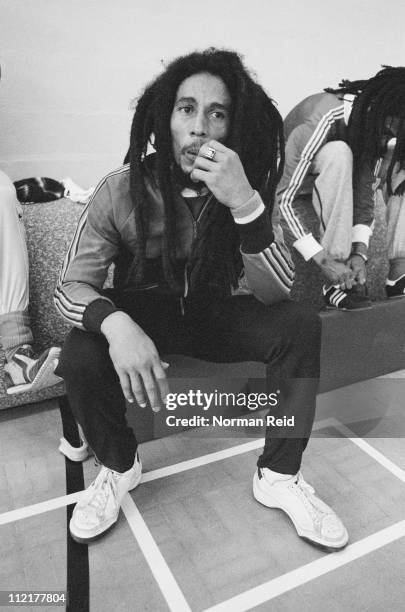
column 348, row 299
column 75, row 453
column 99, row 506
column 25, row 372
column 395, row 289
column 312, row 518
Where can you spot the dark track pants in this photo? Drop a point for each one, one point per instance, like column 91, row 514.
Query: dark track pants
column 285, row 336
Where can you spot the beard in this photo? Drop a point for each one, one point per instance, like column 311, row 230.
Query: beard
column 184, row 180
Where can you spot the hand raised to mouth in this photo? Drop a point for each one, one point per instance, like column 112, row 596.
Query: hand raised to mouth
column 221, row 170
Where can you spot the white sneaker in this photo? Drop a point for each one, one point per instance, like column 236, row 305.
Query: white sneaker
column 25, row 372
column 312, row 518
column 75, row 453
column 99, row 506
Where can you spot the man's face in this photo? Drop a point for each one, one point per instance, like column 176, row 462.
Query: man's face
column 201, row 112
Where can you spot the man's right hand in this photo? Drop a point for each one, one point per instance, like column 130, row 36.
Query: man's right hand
column 336, row 272
column 136, row 361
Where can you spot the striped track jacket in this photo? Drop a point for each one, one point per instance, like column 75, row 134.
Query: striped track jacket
column 319, row 119
column 106, row 234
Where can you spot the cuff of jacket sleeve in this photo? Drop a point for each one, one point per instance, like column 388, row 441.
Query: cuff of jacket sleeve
column 361, row 233
column 249, row 211
column 307, row 246
column 256, row 235
column 95, row 314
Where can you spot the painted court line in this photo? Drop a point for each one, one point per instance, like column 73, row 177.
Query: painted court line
column 291, row 580
column 46, row 506
column 190, row 464
column 370, row 450
column 158, row 566
column 65, row 500
column 245, row 601
column 232, row 451
column 277, row 586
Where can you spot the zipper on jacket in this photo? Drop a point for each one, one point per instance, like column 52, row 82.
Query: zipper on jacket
column 195, row 231
column 185, row 281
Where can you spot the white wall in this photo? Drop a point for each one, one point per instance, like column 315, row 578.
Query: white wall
column 71, row 67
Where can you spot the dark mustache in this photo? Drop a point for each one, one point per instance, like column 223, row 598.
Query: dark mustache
column 194, row 147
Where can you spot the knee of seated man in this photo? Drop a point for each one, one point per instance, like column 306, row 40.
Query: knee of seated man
column 338, row 152
column 84, row 356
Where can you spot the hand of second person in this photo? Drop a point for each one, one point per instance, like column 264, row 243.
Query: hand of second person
column 224, row 175
column 336, row 272
column 136, row 361
column 358, row 265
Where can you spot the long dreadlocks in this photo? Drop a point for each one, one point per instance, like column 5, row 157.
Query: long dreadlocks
column 377, row 100
column 256, row 134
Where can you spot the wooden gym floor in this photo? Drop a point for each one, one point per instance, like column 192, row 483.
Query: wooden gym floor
column 191, row 536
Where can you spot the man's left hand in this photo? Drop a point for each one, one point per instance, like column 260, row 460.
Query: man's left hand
column 358, row 265
column 224, row 174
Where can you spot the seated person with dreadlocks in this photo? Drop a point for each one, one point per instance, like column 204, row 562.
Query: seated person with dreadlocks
column 334, row 144
column 201, row 270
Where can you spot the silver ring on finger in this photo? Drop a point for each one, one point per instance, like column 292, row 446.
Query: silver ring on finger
column 209, row 153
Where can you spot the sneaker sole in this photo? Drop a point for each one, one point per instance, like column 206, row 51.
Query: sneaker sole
column 85, row 540
column 349, row 309
column 326, row 546
column 82, row 538
column 45, row 376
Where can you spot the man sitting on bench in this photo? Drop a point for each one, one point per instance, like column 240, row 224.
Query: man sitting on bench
column 202, row 270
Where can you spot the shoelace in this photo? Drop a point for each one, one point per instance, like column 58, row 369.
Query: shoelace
column 105, row 483
column 307, row 494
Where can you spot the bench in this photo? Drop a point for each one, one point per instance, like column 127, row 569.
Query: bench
column 355, row 346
